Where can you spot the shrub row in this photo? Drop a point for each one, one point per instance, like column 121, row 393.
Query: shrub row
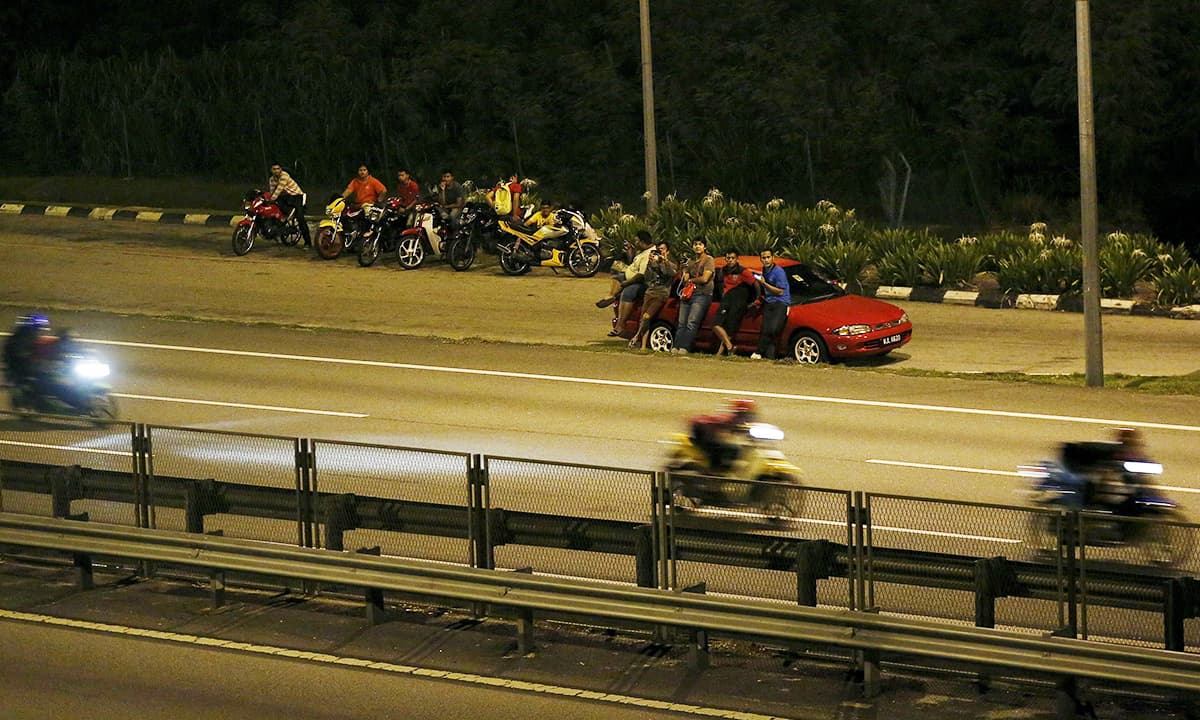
column 858, row 253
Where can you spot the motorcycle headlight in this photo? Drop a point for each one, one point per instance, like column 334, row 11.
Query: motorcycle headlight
column 764, row 431
column 1143, row 468
column 848, row 330
column 90, row 369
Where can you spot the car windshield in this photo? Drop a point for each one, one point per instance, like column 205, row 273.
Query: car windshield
column 809, row 285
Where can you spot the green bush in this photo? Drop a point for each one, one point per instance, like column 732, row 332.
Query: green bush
column 950, row 264
column 845, row 261
column 1179, row 284
column 1124, row 261
column 1041, row 270
column 901, row 267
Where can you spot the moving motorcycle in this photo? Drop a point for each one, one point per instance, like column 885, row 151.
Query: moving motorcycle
column 387, row 221
column 1122, row 502
column 759, row 478
column 569, row 242
column 432, row 234
column 340, row 229
column 264, row 217
column 77, row 385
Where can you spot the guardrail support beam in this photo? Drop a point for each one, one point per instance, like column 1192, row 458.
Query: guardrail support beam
column 813, row 562
column 216, row 588
column 697, row 638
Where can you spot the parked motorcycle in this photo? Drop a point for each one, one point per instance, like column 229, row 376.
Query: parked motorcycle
column 386, row 222
column 432, row 235
column 79, row 387
column 759, row 479
column 264, row 217
column 339, row 230
column 479, row 222
column 569, row 242
column 1093, row 478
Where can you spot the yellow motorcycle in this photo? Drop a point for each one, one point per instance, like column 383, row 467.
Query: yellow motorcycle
column 759, row 479
column 339, row 230
column 568, row 242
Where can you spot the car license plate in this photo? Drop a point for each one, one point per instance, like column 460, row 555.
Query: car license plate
column 891, row 339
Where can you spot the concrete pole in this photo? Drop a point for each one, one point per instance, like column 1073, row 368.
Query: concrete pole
column 1092, row 328
column 648, row 111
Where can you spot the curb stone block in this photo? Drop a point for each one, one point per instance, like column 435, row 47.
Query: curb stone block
column 960, row 297
column 890, row 292
column 1028, row 301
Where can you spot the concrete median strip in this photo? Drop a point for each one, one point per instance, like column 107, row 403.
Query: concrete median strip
column 1024, row 301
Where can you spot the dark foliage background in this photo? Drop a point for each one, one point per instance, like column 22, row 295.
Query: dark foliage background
column 762, row 99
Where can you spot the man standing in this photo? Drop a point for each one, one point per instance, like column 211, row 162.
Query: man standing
column 365, row 188
column 777, row 296
column 289, row 197
column 449, row 194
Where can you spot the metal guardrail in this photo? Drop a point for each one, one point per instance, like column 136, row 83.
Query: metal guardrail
column 862, row 631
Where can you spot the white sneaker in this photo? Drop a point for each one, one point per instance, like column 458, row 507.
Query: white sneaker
column 756, row 356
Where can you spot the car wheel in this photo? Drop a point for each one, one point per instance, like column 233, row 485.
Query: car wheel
column 808, row 349
column 662, row 337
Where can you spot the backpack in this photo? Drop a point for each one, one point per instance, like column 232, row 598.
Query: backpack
column 503, row 199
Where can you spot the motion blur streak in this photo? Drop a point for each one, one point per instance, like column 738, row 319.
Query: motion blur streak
column 660, row 386
column 982, row 471
column 76, row 448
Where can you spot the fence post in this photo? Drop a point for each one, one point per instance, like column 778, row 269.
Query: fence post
column 376, row 613
column 697, row 637
column 194, row 502
column 643, row 548
column 813, row 562
column 340, row 516
column 64, row 487
column 306, row 487
column 1175, row 610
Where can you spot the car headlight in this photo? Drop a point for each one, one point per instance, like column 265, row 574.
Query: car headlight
column 90, row 369
column 847, row 330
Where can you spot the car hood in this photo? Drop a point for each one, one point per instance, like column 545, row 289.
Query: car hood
column 846, row 310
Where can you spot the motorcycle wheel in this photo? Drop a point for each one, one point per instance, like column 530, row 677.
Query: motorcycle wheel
column 662, row 337
column 327, row 243
column 583, row 260
column 781, row 500
column 104, row 409
column 369, row 252
column 243, row 239
column 289, row 234
column 410, row 251
column 512, row 264
column 462, row 252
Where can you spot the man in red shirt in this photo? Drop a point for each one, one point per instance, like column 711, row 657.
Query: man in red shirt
column 365, row 188
column 408, row 192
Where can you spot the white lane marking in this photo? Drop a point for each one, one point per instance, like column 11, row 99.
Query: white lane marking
column 246, row 406
column 842, row 524
column 982, row 471
column 76, row 448
column 659, row 386
column 325, row 658
column 951, row 468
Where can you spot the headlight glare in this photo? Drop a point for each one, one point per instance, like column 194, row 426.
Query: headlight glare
column 848, row 330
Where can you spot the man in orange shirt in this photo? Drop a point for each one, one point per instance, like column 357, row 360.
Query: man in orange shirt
column 365, row 188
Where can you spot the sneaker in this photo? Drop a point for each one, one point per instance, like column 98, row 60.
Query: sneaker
column 756, row 356
column 605, row 302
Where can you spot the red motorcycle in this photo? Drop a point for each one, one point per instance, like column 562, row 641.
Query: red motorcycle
column 264, row 217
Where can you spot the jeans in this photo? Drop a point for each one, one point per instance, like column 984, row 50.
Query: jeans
column 774, row 318
column 691, row 315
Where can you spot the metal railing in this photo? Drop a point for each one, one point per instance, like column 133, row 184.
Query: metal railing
column 967, row 563
column 873, row 635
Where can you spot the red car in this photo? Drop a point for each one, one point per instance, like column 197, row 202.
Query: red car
column 824, row 321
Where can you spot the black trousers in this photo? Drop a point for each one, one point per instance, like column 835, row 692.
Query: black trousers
column 288, row 203
column 774, row 318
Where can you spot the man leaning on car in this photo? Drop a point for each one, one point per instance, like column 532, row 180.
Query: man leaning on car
column 773, row 285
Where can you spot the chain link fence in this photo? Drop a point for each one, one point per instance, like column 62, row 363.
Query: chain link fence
column 933, row 558
column 773, row 540
column 407, row 502
column 64, row 466
column 605, row 506
column 242, row 485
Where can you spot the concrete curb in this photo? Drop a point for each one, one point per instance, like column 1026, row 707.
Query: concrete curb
column 1029, row 301
column 993, row 299
column 121, row 213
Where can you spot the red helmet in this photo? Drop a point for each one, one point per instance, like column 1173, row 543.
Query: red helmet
column 742, row 406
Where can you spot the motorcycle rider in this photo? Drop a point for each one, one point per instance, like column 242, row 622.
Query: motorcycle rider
column 22, row 348
column 289, row 197
column 449, row 194
column 718, row 434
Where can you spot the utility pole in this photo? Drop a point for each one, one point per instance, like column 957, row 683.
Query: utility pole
column 1092, row 328
column 648, row 111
